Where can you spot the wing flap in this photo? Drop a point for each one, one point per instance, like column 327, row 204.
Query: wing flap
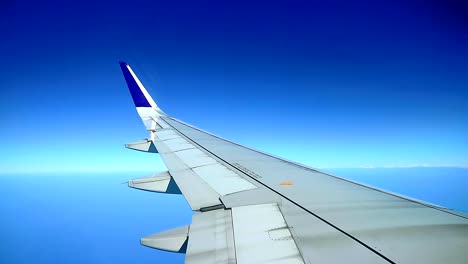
column 197, row 193
column 223, row 180
column 262, row 235
column 245, row 234
column 201, row 178
column 211, row 238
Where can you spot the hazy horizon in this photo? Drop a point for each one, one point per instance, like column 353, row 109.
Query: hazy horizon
column 96, row 218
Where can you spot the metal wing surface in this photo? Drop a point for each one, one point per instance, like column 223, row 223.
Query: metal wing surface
column 252, row 207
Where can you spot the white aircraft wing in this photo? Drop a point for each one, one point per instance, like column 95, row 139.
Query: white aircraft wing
column 252, row 207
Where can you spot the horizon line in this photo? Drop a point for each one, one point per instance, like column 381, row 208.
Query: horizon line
column 105, row 171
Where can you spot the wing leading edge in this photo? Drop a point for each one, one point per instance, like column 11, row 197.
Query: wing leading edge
column 252, row 207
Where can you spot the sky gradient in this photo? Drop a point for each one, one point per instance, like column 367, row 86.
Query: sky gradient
column 330, row 84
column 335, row 84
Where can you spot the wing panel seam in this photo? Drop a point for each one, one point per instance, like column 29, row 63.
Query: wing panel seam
column 295, row 203
column 307, row 168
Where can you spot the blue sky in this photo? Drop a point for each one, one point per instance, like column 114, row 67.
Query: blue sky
column 335, row 84
column 331, row 84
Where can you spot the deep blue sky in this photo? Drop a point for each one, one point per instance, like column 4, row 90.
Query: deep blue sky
column 329, row 84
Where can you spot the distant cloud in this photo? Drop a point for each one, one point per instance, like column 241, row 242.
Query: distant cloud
column 402, row 166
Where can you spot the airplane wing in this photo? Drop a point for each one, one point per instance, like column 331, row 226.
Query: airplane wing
column 253, row 207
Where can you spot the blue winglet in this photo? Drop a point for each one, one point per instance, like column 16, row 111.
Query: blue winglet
column 138, row 97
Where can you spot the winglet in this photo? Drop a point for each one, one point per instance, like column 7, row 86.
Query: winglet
column 140, row 96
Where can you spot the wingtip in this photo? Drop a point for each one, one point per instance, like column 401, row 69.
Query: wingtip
column 140, row 96
column 136, row 88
